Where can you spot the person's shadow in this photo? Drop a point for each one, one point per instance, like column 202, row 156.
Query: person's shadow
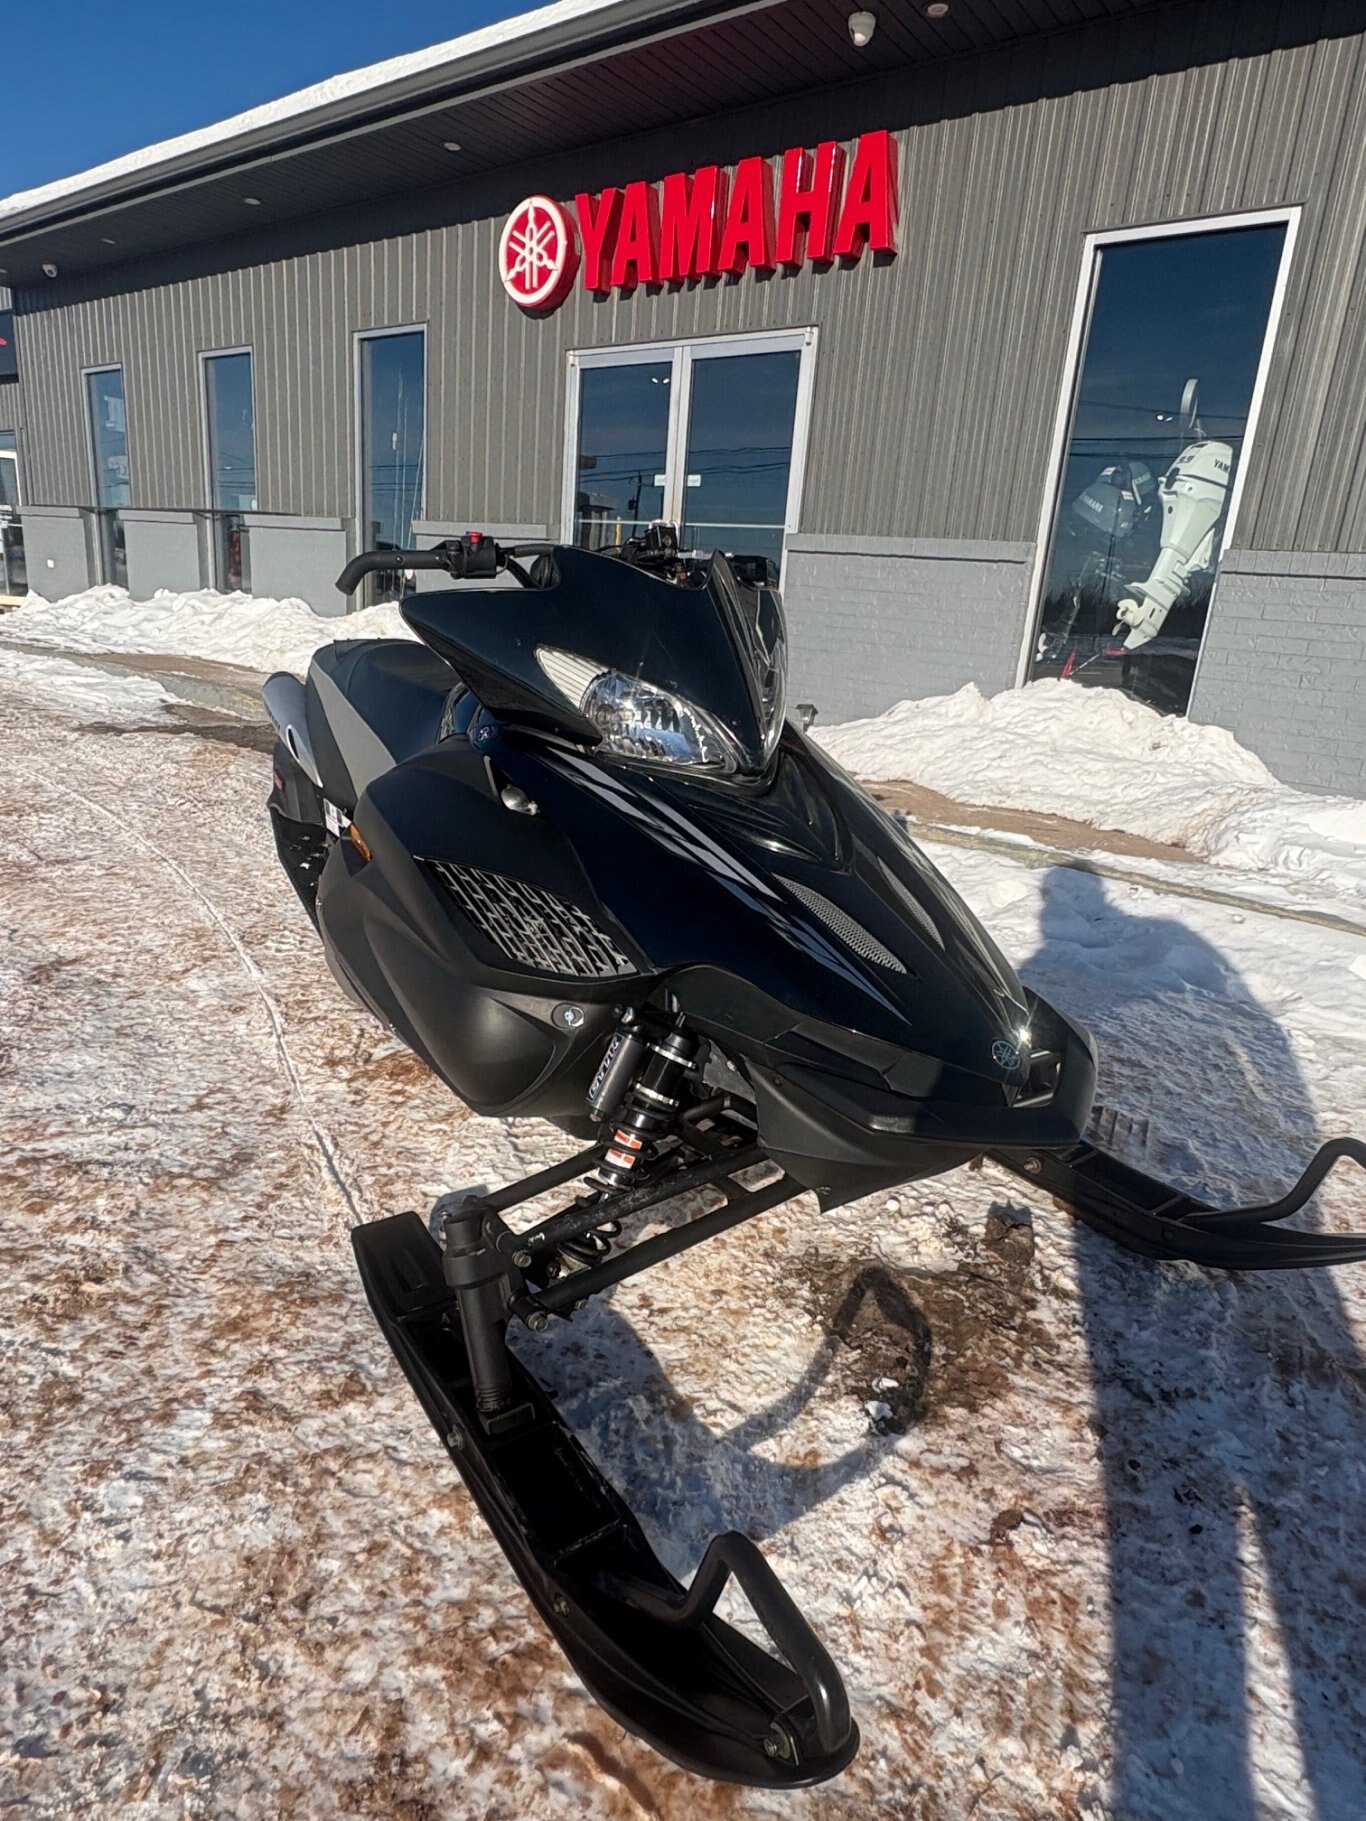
column 1230, row 1413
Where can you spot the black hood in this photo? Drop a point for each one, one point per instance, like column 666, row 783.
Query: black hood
column 803, row 904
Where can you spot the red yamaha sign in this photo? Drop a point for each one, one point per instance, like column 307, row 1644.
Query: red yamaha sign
column 705, row 223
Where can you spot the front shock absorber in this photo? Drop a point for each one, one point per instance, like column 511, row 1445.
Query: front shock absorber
column 642, row 1079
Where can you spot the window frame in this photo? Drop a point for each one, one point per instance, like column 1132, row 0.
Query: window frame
column 358, row 337
column 92, row 466
column 681, row 353
column 206, row 429
column 1288, row 215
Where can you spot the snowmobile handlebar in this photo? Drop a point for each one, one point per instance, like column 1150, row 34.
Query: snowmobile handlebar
column 475, row 556
column 472, row 556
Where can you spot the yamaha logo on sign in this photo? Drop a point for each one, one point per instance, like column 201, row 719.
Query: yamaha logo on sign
column 538, row 254
column 707, row 223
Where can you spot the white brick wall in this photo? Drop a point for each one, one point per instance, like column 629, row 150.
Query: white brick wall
column 1284, row 664
column 899, row 617
column 876, row 620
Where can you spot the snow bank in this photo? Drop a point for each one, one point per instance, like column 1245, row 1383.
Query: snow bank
column 251, row 630
column 1098, row 757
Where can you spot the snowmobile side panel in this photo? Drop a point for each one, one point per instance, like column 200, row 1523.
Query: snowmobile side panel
column 369, row 704
column 431, row 927
column 653, row 1654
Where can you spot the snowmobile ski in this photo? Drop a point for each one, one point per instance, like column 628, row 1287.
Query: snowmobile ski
column 653, row 1654
column 1151, row 1218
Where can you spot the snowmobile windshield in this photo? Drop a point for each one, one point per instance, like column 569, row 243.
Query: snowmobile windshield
column 686, row 677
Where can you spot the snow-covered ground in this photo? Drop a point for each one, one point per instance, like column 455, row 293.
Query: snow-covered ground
column 1111, row 1572
column 1094, row 755
column 251, row 630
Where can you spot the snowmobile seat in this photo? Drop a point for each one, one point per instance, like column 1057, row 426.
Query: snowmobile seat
column 371, row 704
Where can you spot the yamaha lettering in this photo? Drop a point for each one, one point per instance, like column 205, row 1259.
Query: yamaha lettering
column 706, row 223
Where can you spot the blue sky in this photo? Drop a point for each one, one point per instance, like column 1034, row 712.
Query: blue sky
column 88, row 81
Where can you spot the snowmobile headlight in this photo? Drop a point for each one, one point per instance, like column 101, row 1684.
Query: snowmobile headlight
column 639, row 720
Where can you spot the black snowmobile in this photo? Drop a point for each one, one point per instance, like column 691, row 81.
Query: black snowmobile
column 572, row 851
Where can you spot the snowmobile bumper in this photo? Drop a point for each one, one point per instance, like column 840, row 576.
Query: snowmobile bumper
column 1151, row 1218
column 653, row 1654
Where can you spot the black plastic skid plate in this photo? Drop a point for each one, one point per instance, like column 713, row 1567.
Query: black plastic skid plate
column 656, row 1658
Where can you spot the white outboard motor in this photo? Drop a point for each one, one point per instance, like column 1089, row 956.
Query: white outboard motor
column 1194, row 493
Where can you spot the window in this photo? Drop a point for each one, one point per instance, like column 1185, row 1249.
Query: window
column 392, row 371
column 230, row 462
column 230, row 431
column 108, row 437
column 13, row 575
column 109, row 474
column 9, row 359
column 1176, row 332
column 708, row 435
column 9, row 471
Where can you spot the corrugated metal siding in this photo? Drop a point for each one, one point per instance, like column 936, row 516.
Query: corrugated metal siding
column 938, row 373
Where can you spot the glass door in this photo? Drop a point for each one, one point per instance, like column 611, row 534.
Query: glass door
column 622, row 459
column 737, row 465
column 707, row 435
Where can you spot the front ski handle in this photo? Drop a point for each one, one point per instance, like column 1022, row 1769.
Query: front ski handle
column 1149, row 1217
column 652, row 1653
column 734, row 1554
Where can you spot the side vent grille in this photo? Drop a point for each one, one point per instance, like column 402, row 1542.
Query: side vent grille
column 840, row 923
column 530, row 926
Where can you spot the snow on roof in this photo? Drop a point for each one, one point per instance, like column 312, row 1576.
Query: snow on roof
column 373, row 77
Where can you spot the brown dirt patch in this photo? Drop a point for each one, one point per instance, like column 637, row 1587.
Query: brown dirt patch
column 917, row 1342
column 924, row 805
column 251, row 736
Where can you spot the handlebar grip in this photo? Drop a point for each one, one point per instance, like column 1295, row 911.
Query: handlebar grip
column 370, row 560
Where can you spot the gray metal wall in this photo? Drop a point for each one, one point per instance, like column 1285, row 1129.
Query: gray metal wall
column 938, row 372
